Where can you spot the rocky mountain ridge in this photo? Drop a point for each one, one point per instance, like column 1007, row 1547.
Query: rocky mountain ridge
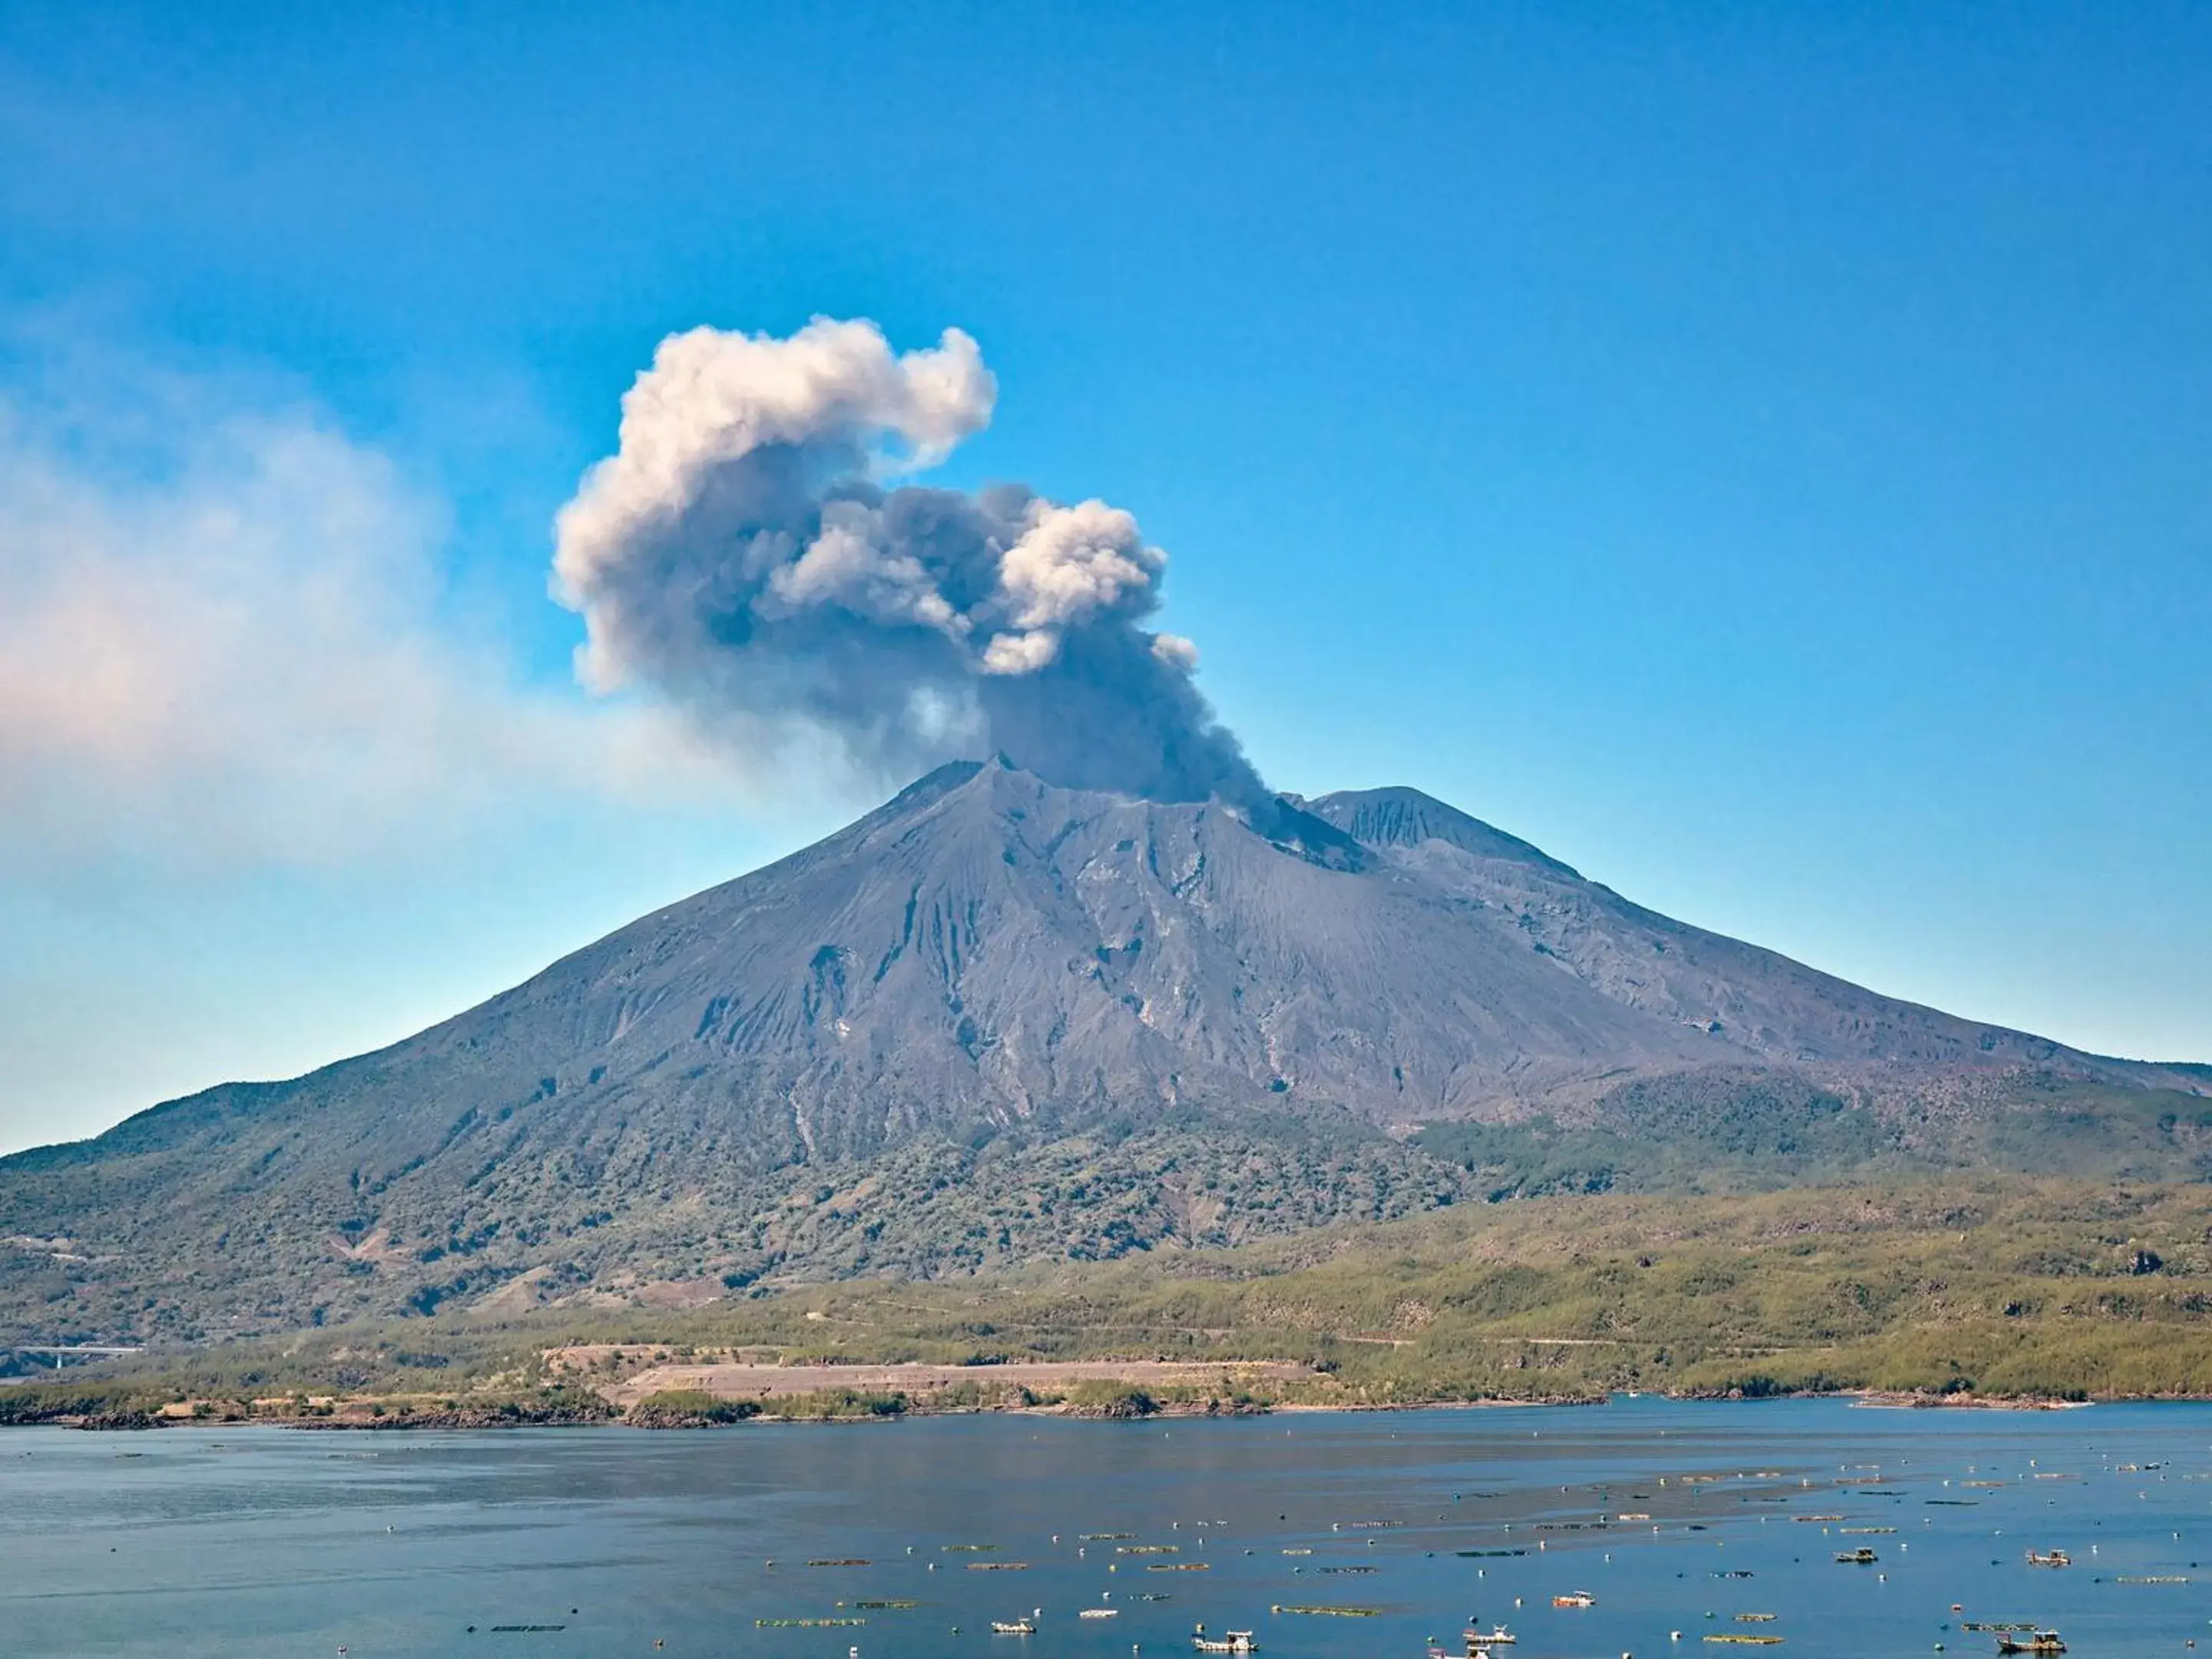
column 993, row 1020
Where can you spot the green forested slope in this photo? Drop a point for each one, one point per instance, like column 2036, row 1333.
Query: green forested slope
column 2043, row 1288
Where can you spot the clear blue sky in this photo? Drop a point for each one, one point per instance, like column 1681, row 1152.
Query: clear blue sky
column 1762, row 455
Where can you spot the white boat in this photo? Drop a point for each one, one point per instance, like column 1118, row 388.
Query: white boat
column 1012, row 1627
column 1100, row 1613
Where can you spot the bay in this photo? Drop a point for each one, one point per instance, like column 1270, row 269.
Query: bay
column 223, row 1541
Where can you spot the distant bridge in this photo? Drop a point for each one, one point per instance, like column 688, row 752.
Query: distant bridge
column 61, row 1356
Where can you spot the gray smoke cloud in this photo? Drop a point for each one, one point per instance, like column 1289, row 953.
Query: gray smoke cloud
column 745, row 551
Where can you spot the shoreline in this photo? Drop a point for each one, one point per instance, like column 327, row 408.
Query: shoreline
column 1891, row 1399
column 372, row 1416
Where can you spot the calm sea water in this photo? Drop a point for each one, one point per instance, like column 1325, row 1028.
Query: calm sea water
column 219, row 1542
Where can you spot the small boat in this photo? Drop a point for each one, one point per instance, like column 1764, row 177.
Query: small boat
column 1013, row 1627
column 1100, row 1613
column 1861, row 1557
column 1229, row 1641
column 1500, row 1638
column 2038, row 1641
column 1575, row 1599
column 2050, row 1558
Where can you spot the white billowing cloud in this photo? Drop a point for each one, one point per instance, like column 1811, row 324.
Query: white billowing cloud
column 746, row 553
column 1074, row 561
column 227, row 643
column 712, row 398
column 1176, row 651
column 1021, row 653
column 1071, row 563
column 852, row 562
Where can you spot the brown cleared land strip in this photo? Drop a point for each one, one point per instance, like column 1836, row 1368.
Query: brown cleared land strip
column 766, row 1382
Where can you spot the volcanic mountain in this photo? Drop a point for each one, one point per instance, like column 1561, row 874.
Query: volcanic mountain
column 994, row 1019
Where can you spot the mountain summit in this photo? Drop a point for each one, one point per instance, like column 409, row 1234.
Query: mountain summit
column 1130, row 1022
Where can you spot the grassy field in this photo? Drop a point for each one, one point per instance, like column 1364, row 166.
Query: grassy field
column 168, row 1246
column 2015, row 1288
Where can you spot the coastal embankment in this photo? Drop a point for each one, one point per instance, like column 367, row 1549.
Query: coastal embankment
column 917, row 1382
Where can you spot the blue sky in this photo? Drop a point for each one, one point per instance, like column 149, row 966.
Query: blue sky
column 1762, row 455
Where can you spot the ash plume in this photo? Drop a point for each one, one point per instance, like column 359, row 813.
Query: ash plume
column 745, row 551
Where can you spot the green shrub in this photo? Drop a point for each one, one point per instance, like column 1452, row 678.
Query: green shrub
column 827, row 1405
column 683, row 1408
column 1111, row 1400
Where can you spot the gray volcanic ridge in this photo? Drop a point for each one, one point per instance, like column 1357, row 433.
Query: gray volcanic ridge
column 997, row 1020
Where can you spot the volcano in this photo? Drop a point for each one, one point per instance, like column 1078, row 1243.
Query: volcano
column 993, row 1020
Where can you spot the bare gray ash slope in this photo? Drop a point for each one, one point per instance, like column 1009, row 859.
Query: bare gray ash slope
column 993, row 1020
column 1765, row 1007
